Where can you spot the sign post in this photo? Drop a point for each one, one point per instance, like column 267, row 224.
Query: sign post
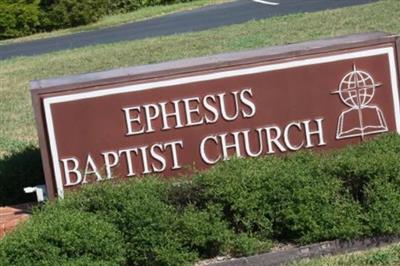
column 167, row 117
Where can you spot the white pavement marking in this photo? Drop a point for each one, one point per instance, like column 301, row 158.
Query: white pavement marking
column 266, row 2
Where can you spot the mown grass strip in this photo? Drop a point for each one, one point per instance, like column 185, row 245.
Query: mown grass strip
column 382, row 256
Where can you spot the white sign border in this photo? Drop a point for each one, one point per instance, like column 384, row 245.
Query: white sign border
column 48, row 102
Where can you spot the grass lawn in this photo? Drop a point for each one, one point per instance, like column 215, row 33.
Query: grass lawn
column 118, row 19
column 17, row 129
column 384, row 256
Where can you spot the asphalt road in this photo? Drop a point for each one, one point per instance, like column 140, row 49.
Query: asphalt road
column 196, row 20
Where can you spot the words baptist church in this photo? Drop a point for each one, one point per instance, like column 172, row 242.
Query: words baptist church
column 189, row 112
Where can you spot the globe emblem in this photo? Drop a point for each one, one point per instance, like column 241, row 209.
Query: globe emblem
column 357, row 88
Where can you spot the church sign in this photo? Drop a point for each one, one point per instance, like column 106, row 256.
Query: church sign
column 170, row 118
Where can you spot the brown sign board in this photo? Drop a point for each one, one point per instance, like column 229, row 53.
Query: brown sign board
column 169, row 117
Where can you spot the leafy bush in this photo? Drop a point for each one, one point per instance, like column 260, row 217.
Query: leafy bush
column 239, row 207
column 245, row 245
column 371, row 171
column 123, row 6
column 70, row 13
column 24, row 17
column 19, row 18
column 237, row 186
column 383, row 207
column 308, row 204
column 358, row 165
column 138, row 210
column 290, row 198
column 55, row 237
column 205, row 231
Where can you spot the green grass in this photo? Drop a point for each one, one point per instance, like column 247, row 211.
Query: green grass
column 18, row 131
column 384, row 256
column 118, row 19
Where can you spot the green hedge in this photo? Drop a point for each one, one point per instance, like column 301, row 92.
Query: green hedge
column 58, row 237
column 23, row 17
column 57, row 14
column 240, row 207
column 122, row 6
column 19, row 18
column 289, row 199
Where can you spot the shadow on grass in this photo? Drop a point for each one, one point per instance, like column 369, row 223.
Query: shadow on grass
column 18, row 170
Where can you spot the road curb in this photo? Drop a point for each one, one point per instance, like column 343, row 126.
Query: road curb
column 314, row 250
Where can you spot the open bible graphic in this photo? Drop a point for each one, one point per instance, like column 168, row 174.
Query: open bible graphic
column 356, row 90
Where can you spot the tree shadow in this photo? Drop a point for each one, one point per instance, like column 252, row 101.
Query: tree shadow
column 18, row 170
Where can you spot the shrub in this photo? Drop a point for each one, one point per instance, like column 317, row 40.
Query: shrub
column 289, row 198
column 236, row 186
column 383, row 207
column 139, row 211
column 361, row 164
column 57, row 237
column 71, row 13
column 204, row 230
column 24, row 17
column 19, row 18
column 123, row 6
column 308, row 204
column 238, row 207
column 245, row 245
